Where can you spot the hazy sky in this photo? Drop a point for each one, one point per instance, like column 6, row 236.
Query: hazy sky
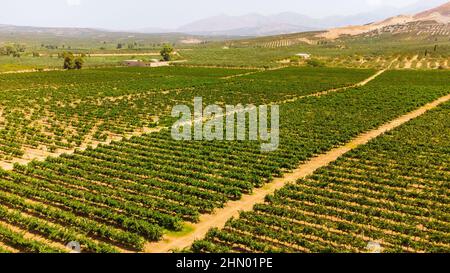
column 135, row 14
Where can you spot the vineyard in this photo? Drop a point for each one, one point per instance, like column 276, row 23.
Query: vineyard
column 393, row 191
column 265, row 132
column 120, row 195
column 54, row 112
column 395, row 61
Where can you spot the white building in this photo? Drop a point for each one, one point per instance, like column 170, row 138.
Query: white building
column 141, row 63
column 305, row 56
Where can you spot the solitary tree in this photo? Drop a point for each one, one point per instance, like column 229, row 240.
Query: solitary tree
column 72, row 62
column 78, row 62
column 68, row 62
column 166, row 52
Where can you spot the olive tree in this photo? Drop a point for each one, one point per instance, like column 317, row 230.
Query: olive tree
column 166, row 52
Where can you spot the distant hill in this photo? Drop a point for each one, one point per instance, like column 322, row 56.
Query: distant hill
column 440, row 14
column 435, row 20
column 88, row 37
column 249, row 25
column 31, row 31
column 290, row 22
column 74, row 32
column 423, row 25
column 224, row 27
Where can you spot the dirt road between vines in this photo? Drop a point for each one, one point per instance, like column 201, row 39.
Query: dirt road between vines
column 321, row 93
column 219, row 218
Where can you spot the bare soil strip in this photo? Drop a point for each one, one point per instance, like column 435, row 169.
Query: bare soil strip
column 253, row 72
column 29, row 71
column 318, row 94
column 391, row 64
column 232, row 208
column 241, row 75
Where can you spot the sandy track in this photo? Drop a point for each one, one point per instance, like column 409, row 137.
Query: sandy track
column 253, row 72
column 30, row 71
column 240, row 75
column 232, row 208
column 321, row 93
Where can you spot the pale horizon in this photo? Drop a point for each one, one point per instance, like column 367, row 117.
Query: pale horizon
column 139, row 14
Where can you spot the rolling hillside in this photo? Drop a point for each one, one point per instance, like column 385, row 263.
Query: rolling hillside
column 439, row 17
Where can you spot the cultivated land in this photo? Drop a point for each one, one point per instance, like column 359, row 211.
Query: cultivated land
column 87, row 155
column 393, row 191
column 120, row 195
column 54, row 112
column 419, row 46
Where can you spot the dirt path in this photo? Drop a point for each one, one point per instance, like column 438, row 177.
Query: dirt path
column 241, row 75
column 391, row 64
column 30, row 71
column 232, row 208
column 318, row 94
column 253, row 72
column 371, row 78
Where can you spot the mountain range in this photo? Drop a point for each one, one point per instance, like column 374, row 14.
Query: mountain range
column 287, row 22
column 223, row 26
column 438, row 16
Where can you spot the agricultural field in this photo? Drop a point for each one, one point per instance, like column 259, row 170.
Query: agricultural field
column 133, row 228
column 396, row 51
column 52, row 112
column 388, row 51
column 46, row 62
column 393, row 191
column 121, row 195
column 129, row 129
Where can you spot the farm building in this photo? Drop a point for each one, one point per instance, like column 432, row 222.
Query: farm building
column 303, row 55
column 141, row 63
